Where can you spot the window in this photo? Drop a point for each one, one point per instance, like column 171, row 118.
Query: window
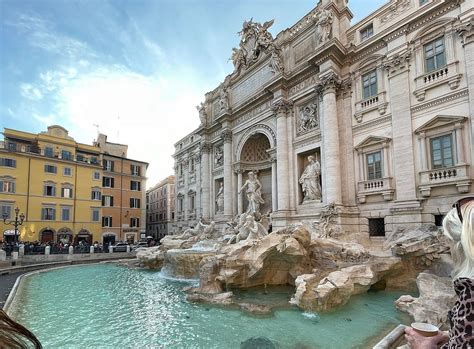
column 66, row 155
column 374, row 165
column 376, row 227
column 49, row 152
column 107, row 201
column 67, row 171
column 192, row 166
column 134, row 185
column 50, row 169
column 369, row 84
column 108, row 182
column 65, row 213
column 134, row 222
column 134, row 203
column 95, row 194
column 95, row 214
column 367, row 32
column 48, row 213
column 96, row 175
column 191, row 202
column 7, row 162
column 442, row 151
column 106, row 221
column 435, row 56
column 135, row 170
column 66, row 192
column 6, row 211
column 11, row 146
column 49, row 190
column 94, row 160
column 7, row 185
column 180, row 204
column 108, row 165
column 80, row 157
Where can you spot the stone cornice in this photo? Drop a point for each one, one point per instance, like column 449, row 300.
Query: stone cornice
column 372, row 123
column 440, row 100
column 397, row 62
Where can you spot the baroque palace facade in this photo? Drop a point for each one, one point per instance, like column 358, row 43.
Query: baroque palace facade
column 64, row 188
column 375, row 117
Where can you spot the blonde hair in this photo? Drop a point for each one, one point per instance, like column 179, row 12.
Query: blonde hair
column 462, row 236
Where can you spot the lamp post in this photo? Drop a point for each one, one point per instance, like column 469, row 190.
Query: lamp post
column 16, row 223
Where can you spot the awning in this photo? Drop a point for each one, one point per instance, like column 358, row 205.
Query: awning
column 10, row 232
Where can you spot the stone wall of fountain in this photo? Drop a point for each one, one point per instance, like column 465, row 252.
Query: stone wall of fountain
column 325, row 271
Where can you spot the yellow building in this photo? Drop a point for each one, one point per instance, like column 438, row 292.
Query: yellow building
column 55, row 182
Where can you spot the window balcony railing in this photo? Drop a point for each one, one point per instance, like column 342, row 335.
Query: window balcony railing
column 455, row 175
column 448, row 74
column 378, row 186
column 366, row 105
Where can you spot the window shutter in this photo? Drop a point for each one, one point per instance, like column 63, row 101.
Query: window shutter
column 139, row 186
column 103, row 181
column 112, row 166
column 138, row 222
column 53, row 210
column 138, row 203
column 111, row 201
column 1, row 186
column 112, row 182
column 103, row 221
column 103, row 200
column 110, row 222
column 92, row 195
column 131, row 202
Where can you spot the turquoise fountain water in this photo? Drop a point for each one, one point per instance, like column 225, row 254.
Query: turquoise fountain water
column 108, row 306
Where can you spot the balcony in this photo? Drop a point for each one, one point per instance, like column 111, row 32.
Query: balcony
column 379, row 186
column 377, row 102
column 445, row 75
column 456, row 175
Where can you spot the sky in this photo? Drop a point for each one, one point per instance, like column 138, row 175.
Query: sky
column 132, row 69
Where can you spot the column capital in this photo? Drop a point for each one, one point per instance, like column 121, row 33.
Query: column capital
column 466, row 31
column 205, row 148
column 398, row 62
column 282, row 107
column 226, row 135
column 328, row 82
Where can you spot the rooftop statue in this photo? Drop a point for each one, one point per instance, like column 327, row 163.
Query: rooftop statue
column 256, row 39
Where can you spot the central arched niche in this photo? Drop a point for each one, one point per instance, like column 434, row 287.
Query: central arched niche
column 255, row 157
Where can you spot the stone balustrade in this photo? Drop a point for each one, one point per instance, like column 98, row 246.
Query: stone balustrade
column 379, row 186
column 455, row 175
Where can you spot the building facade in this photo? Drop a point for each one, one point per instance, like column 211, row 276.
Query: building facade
column 123, row 193
column 59, row 185
column 160, row 201
column 50, row 178
column 375, row 117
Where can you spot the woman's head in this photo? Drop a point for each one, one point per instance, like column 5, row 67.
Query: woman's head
column 15, row 336
column 458, row 227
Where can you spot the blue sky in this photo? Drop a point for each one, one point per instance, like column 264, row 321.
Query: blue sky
column 136, row 68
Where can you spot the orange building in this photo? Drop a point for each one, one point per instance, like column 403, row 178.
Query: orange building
column 123, row 193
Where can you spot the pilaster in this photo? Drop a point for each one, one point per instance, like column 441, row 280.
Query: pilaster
column 226, row 136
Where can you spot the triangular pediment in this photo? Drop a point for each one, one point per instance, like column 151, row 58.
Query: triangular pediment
column 372, row 140
column 440, row 121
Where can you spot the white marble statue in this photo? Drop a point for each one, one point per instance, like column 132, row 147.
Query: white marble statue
column 223, row 99
column 202, row 113
column 253, row 189
column 250, row 230
column 201, row 231
column 220, row 198
column 309, row 180
column 324, row 26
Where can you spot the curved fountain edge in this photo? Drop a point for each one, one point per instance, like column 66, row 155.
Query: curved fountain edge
column 391, row 339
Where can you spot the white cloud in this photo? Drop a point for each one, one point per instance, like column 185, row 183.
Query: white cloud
column 30, row 92
column 148, row 113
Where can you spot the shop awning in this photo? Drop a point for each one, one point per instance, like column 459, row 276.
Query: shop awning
column 10, row 232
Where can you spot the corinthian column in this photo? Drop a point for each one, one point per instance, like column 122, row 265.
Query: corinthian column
column 228, row 195
column 282, row 109
column 330, row 137
column 205, row 180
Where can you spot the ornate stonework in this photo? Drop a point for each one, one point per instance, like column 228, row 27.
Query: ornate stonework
column 218, row 156
column 282, row 107
column 202, row 109
column 226, row 135
column 328, row 82
column 466, row 31
column 323, row 21
column 255, row 41
column 205, row 147
column 308, row 118
column 396, row 8
column 398, row 62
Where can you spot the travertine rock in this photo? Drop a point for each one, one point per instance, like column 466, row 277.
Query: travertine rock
column 424, row 244
column 436, row 298
column 316, row 294
column 184, row 263
column 151, row 257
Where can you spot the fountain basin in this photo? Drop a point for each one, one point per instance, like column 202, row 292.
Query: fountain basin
column 105, row 305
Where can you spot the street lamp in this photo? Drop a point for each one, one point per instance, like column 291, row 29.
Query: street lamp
column 17, row 222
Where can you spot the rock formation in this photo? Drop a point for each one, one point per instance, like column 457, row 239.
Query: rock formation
column 152, row 257
column 436, row 298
